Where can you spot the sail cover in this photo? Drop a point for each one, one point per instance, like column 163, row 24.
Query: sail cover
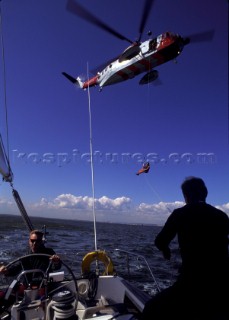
column 4, row 164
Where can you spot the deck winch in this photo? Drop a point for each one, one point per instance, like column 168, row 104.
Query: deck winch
column 62, row 306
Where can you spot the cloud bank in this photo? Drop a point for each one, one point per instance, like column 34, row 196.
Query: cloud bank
column 120, row 209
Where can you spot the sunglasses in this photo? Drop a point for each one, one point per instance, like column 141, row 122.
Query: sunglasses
column 35, row 240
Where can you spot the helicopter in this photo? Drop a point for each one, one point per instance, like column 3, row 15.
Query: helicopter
column 139, row 57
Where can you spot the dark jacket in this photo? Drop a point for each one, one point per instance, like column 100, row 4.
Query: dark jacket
column 202, row 232
column 36, row 262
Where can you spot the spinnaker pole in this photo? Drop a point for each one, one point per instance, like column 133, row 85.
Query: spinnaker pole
column 22, row 210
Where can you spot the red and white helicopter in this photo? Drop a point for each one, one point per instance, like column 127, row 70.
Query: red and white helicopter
column 139, row 57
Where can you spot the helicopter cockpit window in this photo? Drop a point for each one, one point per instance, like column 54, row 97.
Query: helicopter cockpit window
column 166, row 35
column 153, row 44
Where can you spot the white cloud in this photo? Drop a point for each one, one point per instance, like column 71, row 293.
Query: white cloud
column 156, row 213
column 160, row 208
column 7, row 206
column 120, row 203
column 120, row 209
column 108, row 209
column 224, row 207
column 4, row 201
column 69, row 201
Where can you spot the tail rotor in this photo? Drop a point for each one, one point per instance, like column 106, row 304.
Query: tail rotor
column 78, row 81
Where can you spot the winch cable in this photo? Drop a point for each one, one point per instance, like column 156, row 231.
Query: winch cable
column 92, row 162
column 156, row 193
column 173, row 262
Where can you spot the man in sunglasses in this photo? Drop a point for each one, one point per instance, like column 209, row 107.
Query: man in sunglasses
column 36, row 246
column 39, row 257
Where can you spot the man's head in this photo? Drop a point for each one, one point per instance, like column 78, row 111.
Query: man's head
column 35, row 240
column 194, row 190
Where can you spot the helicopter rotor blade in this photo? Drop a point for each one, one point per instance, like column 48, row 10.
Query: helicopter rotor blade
column 145, row 15
column 75, row 8
column 200, row 37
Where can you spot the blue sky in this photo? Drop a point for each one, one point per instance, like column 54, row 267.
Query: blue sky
column 185, row 116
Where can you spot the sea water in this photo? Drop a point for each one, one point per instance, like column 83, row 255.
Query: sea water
column 73, row 239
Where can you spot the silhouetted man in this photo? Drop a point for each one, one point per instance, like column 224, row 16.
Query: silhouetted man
column 201, row 290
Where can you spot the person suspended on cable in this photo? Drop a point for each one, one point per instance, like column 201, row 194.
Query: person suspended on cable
column 145, row 168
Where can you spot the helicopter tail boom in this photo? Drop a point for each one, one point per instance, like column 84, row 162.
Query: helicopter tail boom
column 76, row 81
